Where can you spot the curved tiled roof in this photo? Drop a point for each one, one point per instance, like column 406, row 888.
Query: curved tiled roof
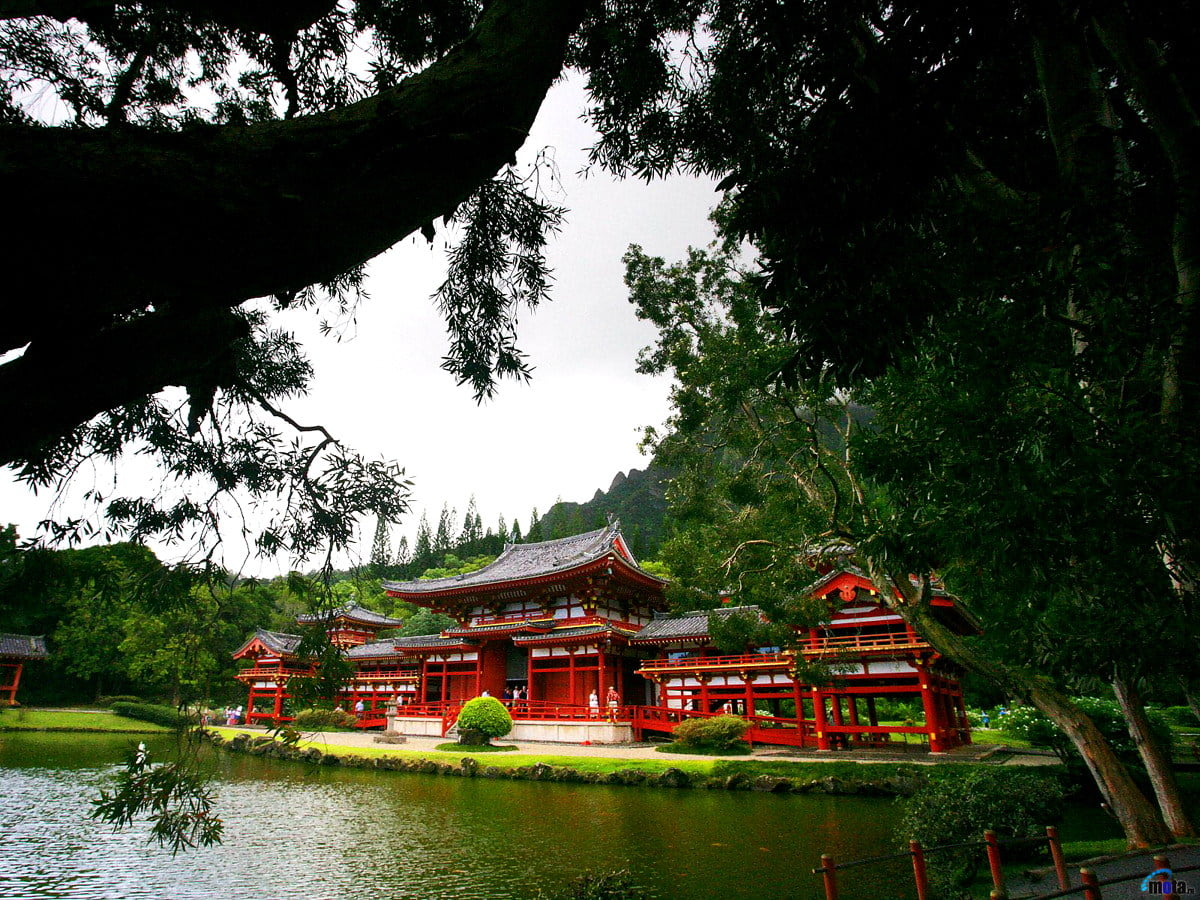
column 23, row 646
column 275, row 641
column 565, row 634
column 686, row 625
column 355, row 613
column 521, row 561
column 425, row 642
column 373, row 650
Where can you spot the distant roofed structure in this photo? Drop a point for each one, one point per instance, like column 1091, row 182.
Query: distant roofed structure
column 15, row 651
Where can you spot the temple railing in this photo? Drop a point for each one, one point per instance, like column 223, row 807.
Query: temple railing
column 857, row 643
column 743, row 661
column 389, row 675
column 526, row 710
column 273, row 674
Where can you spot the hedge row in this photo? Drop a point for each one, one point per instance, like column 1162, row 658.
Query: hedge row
column 167, row 716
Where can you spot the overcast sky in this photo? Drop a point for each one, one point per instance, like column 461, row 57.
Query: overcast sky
column 570, row 430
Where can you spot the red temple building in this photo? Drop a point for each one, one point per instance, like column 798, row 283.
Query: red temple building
column 574, row 636
column 380, row 676
column 15, row 651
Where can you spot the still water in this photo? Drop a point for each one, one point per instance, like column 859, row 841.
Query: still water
column 296, row 831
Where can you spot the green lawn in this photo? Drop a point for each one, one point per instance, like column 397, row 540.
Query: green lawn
column 24, row 719
column 986, row 736
column 718, row 767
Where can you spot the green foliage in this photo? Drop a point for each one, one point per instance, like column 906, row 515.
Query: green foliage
column 323, row 719
column 425, row 621
column 609, row 886
column 149, row 712
column 1029, row 724
column 452, row 565
column 712, row 733
column 172, row 796
column 1012, row 803
column 1181, row 716
column 454, row 747
column 485, row 716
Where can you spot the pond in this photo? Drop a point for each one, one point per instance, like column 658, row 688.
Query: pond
column 298, row 831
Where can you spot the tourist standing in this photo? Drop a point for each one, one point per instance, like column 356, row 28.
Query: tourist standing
column 614, row 700
column 594, row 704
column 359, row 708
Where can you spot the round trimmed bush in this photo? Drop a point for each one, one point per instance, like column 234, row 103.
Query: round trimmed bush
column 482, row 719
column 715, row 733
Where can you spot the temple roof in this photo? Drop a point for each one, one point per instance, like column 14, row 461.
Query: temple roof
column 685, row 625
column 574, row 634
column 23, row 646
column 523, row 561
column 425, row 642
column 354, row 613
column 275, row 641
column 373, row 650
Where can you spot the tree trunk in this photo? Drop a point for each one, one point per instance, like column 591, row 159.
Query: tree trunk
column 1193, row 701
column 1139, row 819
column 1154, row 757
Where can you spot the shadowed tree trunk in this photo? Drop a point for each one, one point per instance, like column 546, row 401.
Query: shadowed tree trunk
column 1155, row 758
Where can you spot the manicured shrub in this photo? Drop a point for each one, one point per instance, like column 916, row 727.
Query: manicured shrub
column 149, row 712
column 715, row 733
column 1010, row 802
column 119, row 698
column 323, row 719
column 482, row 719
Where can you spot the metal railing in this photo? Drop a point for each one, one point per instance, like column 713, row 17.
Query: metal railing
column 1089, row 886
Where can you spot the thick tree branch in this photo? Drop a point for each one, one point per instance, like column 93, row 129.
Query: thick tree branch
column 147, row 224
column 262, row 16
column 51, row 390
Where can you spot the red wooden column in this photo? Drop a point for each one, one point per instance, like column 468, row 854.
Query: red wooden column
column 819, row 716
column 602, row 684
column 933, row 718
column 278, row 711
column 748, row 683
column 704, row 678
column 621, row 678
column 529, row 676
column 571, row 676
column 478, row 670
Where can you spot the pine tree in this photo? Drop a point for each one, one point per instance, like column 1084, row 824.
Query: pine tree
column 471, row 531
column 442, row 538
column 516, row 532
column 422, row 557
column 403, row 554
column 535, row 533
column 502, row 528
column 381, row 548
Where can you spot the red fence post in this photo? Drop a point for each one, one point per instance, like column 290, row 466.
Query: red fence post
column 919, row 876
column 1091, row 885
column 1056, row 854
column 993, row 855
column 829, row 875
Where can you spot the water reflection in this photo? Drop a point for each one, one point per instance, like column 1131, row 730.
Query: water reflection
column 294, row 831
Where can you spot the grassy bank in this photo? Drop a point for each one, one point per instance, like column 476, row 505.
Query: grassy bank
column 828, row 777
column 23, row 719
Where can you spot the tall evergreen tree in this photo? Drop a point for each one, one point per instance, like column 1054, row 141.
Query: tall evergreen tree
column 403, row 553
column 535, row 532
column 422, row 556
column 471, row 530
column 515, row 537
column 381, row 547
column 445, row 529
